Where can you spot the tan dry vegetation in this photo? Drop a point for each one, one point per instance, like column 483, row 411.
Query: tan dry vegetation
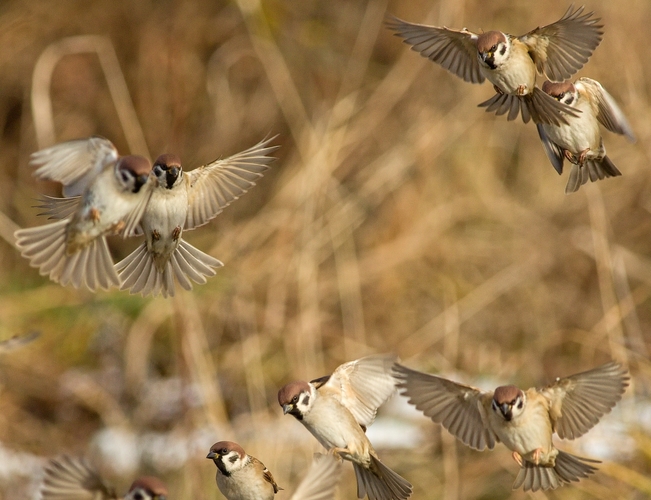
column 398, row 217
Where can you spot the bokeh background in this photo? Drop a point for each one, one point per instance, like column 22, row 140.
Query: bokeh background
column 399, row 217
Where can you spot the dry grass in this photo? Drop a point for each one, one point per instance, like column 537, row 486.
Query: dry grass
column 399, row 217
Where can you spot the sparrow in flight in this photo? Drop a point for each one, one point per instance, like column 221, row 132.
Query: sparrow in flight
column 579, row 141
column 107, row 196
column 68, row 478
column 523, row 420
column 184, row 201
column 243, row 477
column 337, row 408
column 511, row 63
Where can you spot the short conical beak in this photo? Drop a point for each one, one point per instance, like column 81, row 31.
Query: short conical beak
column 506, row 410
column 287, row 409
column 211, row 455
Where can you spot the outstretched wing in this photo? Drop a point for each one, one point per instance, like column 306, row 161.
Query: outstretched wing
column 68, row 478
column 608, row 112
column 216, row 185
column 579, row 401
column 455, row 50
column 321, row 480
column 363, row 385
column 562, row 48
column 458, row 408
column 74, row 163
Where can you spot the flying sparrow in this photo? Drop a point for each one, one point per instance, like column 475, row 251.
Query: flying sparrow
column 183, row 201
column 580, row 140
column 337, row 408
column 523, row 420
column 68, row 478
column 114, row 192
column 510, row 63
column 241, row 476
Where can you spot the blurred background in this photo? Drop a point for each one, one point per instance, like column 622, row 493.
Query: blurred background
column 399, row 217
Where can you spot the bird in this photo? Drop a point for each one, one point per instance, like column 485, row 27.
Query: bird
column 509, row 62
column 580, row 140
column 107, row 196
column 523, row 420
column 244, row 477
column 337, row 408
column 181, row 202
column 73, row 478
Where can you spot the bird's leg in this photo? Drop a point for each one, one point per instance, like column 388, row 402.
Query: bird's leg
column 176, row 233
column 498, row 90
column 536, row 456
column 570, row 157
column 94, row 215
column 338, row 452
column 517, row 457
column 155, row 235
column 521, row 90
column 118, row 227
column 582, row 155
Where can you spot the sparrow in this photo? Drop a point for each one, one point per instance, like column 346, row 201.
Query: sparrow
column 580, row 140
column 108, row 196
column 337, row 408
column 523, row 420
column 184, row 201
column 511, row 63
column 241, row 476
column 68, row 478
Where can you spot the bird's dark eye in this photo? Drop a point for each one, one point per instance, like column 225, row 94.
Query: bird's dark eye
column 223, row 451
column 158, row 169
column 520, row 405
column 124, row 175
column 138, row 496
column 295, row 399
column 494, row 48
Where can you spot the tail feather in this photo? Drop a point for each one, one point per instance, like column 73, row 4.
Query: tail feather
column 568, row 468
column 592, row 170
column 45, row 247
column 380, row 482
column 140, row 274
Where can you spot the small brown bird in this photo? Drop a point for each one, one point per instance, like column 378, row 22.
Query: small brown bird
column 108, row 196
column 337, row 408
column 68, row 478
column 511, row 63
column 182, row 201
column 580, row 139
column 523, row 420
column 243, row 477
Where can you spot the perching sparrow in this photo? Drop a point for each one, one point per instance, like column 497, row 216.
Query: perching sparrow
column 243, row 477
column 112, row 200
column 510, row 63
column 523, row 421
column 69, row 478
column 337, row 408
column 580, row 140
column 183, row 201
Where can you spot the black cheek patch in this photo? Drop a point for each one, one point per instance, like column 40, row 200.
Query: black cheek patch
column 503, row 50
column 306, row 399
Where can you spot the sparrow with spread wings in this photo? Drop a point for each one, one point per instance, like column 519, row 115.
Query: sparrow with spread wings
column 68, row 478
column 579, row 141
column 523, row 420
column 180, row 202
column 337, row 408
column 108, row 195
column 511, row 63
column 244, row 477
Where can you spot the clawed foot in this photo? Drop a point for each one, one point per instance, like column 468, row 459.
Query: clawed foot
column 517, row 457
column 176, row 233
column 577, row 160
column 582, row 155
column 536, row 456
column 337, row 452
column 521, row 90
column 498, row 90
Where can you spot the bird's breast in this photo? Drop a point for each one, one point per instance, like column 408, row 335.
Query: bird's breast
column 517, row 73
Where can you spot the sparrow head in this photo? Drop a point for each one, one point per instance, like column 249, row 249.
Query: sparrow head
column 508, row 402
column 168, row 170
column 147, row 488
column 228, row 456
column 493, row 48
column 296, row 398
column 564, row 92
column 132, row 172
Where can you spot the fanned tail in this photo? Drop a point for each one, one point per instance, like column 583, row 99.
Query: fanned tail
column 568, row 468
column 593, row 170
column 380, row 483
column 537, row 106
column 45, row 247
column 140, row 274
